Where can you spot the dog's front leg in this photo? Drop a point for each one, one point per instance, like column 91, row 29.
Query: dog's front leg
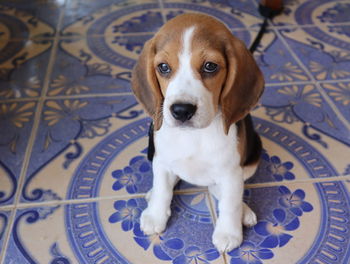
column 228, row 230
column 155, row 216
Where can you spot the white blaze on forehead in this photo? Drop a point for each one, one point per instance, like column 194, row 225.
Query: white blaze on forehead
column 185, row 54
column 185, row 82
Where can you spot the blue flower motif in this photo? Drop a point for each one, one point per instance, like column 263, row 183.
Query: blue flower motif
column 274, row 231
column 131, row 175
column 159, row 242
column 128, row 212
column 194, row 254
column 278, row 169
column 294, row 201
column 249, row 253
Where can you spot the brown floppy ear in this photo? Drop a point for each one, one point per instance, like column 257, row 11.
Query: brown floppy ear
column 145, row 84
column 244, row 83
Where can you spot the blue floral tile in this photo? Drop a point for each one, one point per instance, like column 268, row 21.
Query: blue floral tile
column 105, row 231
column 95, row 64
column 4, row 220
column 111, row 17
column 23, row 65
column 28, row 19
column 340, row 95
column 35, row 222
column 298, row 149
column 65, row 144
column 235, row 14
column 82, row 66
column 300, row 222
column 323, row 50
column 16, row 121
column 276, row 62
column 313, row 12
column 293, row 103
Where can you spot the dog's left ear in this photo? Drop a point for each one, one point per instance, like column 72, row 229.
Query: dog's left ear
column 244, row 83
column 145, row 84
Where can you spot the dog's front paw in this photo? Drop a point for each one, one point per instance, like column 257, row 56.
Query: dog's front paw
column 153, row 222
column 225, row 241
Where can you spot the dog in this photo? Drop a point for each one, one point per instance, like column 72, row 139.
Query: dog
column 199, row 83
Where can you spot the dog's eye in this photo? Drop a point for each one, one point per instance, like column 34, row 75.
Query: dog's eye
column 164, row 68
column 210, row 67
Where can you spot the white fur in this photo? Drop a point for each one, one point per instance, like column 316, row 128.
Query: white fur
column 199, row 153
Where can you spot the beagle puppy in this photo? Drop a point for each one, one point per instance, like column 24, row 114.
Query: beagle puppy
column 198, row 83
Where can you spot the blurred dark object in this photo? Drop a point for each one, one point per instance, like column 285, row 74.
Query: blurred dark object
column 270, row 8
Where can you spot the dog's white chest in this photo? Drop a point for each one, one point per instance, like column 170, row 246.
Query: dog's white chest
column 197, row 155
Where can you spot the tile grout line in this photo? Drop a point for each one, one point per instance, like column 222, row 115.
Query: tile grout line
column 162, row 10
column 178, row 192
column 175, row 192
column 318, row 86
column 97, row 199
column 32, row 137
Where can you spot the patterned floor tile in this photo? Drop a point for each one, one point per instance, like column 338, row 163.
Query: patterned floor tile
column 297, row 223
column 29, row 19
column 313, row 12
column 83, row 69
column 4, row 220
column 340, row 95
column 105, row 231
column 276, row 62
column 298, row 149
column 291, row 103
column 72, row 133
column 108, row 231
column 324, row 50
column 111, row 17
column 96, row 64
column 16, row 121
column 235, row 14
column 23, row 65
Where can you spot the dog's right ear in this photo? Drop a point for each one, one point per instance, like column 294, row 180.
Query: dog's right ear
column 145, row 84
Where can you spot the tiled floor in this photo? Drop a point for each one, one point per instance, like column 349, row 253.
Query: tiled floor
column 73, row 171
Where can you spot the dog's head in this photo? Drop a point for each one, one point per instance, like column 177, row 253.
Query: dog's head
column 194, row 68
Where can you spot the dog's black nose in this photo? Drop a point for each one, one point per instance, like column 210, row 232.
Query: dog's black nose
column 183, row 112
